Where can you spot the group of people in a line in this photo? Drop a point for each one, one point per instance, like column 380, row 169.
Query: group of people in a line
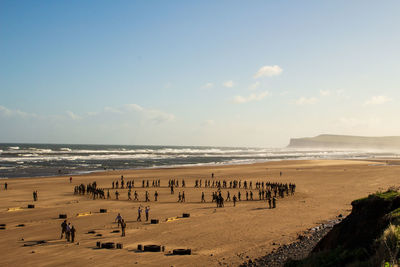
column 267, row 191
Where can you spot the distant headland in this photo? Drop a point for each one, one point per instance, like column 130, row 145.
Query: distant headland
column 346, row 141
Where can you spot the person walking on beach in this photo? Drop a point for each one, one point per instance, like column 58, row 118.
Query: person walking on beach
column 269, row 203
column 123, row 226
column 147, row 196
column 183, row 196
column 34, row 195
column 129, row 195
column 116, row 195
column 146, row 211
column 139, row 218
column 63, row 228
column 136, row 196
column 155, row 196
column 72, row 234
column 5, row 186
column 273, row 202
column 68, row 232
column 234, row 200
column 70, row 179
column 118, row 219
column 202, row 197
column 172, row 189
column 228, row 197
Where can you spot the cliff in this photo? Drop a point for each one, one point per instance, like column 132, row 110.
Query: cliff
column 346, row 141
column 369, row 236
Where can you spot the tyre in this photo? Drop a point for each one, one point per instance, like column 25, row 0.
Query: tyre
column 182, row 251
column 152, row 248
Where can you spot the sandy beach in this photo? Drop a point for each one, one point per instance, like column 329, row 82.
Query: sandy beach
column 217, row 236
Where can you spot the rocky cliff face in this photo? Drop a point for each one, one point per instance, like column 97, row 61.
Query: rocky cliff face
column 355, row 241
column 346, row 141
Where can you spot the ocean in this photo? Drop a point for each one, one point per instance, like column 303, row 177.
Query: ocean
column 40, row 160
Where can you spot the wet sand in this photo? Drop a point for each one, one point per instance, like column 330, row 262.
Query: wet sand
column 217, row 236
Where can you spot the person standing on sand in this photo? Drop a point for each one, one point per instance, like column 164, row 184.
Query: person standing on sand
column 273, row 202
column 68, row 232
column 146, row 211
column 116, row 195
column 123, row 226
column 63, row 228
column 5, row 186
column 183, row 196
column 70, row 179
column 129, row 195
column 155, row 196
column 234, row 200
column 202, row 197
column 118, row 219
column 136, row 196
column 269, row 202
column 139, row 218
column 73, row 234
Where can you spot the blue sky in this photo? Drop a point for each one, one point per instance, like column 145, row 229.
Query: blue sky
column 222, row 73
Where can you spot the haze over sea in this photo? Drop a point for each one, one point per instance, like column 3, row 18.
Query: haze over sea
column 33, row 160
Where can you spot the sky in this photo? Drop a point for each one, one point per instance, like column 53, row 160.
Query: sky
column 206, row 73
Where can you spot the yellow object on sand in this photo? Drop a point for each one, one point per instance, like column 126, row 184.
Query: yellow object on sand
column 14, row 209
column 84, row 214
column 172, row 219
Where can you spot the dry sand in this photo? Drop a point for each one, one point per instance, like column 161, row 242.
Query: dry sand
column 325, row 188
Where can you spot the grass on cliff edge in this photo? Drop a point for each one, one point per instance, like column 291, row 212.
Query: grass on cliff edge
column 390, row 194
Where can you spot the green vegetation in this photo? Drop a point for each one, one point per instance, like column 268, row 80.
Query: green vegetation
column 351, row 243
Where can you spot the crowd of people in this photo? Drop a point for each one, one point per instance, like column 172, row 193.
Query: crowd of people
column 267, row 191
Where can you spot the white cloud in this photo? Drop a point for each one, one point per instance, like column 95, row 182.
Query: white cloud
column 111, row 110
column 5, row 111
column 306, row 100
column 252, row 97
column 134, row 107
column 208, row 85
column 228, row 84
column 155, row 115
column 377, row 100
column 159, row 116
column 9, row 112
column 254, row 85
column 268, row 71
column 325, row 92
column 73, row 115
